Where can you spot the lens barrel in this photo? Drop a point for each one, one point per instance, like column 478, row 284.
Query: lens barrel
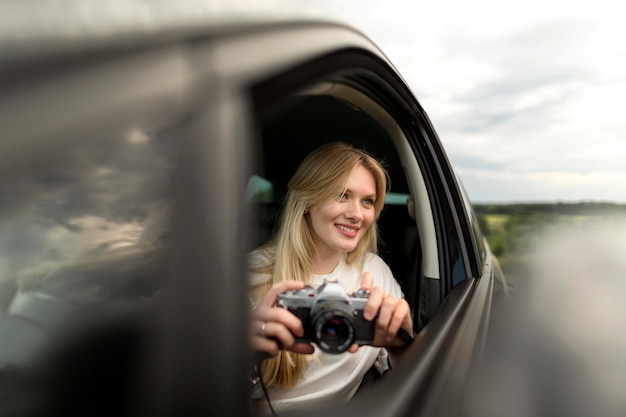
column 333, row 326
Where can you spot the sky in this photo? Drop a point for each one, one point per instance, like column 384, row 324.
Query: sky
column 528, row 97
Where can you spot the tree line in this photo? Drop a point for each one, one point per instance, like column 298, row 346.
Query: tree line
column 583, row 208
column 512, row 230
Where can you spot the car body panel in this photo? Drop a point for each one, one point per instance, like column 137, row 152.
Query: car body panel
column 201, row 91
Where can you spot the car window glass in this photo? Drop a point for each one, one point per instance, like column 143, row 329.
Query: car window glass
column 259, row 190
column 396, row 198
column 478, row 235
column 81, row 226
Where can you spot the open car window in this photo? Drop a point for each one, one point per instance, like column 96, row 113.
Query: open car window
column 297, row 124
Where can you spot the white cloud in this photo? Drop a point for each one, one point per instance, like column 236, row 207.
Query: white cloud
column 489, row 185
column 527, row 97
column 514, row 89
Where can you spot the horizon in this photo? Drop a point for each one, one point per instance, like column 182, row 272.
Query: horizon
column 529, row 202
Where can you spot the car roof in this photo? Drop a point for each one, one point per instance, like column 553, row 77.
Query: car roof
column 38, row 29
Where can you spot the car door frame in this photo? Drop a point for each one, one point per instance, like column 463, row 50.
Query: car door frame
column 204, row 372
column 438, row 363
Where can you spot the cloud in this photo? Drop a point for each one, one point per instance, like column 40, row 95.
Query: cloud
column 497, row 185
column 527, row 99
column 96, row 209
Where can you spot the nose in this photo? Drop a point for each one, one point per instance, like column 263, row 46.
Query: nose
column 354, row 211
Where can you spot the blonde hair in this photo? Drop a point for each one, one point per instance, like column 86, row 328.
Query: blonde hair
column 321, row 177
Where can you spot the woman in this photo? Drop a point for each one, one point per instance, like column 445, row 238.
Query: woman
column 327, row 232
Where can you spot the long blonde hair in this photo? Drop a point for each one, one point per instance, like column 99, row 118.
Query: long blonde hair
column 321, row 177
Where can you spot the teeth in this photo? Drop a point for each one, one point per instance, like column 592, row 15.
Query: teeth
column 346, row 229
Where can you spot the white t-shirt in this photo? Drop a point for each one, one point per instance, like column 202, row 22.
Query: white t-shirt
column 334, row 378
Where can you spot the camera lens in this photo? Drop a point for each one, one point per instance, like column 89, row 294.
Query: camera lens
column 333, row 326
column 334, row 329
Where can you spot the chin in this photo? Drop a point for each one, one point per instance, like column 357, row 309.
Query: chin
column 346, row 249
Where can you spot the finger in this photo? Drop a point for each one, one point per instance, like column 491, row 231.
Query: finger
column 401, row 318
column 353, row 348
column 276, row 338
column 257, row 327
column 367, row 281
column 278, row 315
column 373, row 303
column 279, row 333
column 270, row 298
column 302, row 347
column 385, row 313
column 393, row 314
column 263, row 344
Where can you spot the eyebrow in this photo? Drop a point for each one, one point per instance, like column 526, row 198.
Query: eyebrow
column 372, row 196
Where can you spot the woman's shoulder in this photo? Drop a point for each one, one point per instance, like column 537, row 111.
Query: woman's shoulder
column 259, row 263
column 383, row 276
column 260, row 257
column 374, row 260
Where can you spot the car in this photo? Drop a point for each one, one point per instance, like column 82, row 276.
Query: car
column 145, row 154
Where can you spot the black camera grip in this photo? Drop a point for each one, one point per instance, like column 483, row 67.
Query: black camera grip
column 405, row 336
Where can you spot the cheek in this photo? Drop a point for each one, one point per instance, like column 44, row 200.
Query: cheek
column 318, row 219
column 368, row 219
column 325, row 213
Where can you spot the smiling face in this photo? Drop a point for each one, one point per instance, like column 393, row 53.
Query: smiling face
column 339, row 224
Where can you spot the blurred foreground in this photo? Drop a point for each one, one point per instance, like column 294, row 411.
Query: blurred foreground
column 560, row 347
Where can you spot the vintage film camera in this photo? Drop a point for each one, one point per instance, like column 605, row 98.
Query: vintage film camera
column 331, row 318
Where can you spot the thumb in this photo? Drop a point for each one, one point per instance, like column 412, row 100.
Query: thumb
column 367, row 280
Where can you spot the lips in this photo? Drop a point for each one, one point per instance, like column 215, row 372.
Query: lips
column 347, row 230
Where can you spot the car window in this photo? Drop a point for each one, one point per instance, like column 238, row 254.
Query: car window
column 297, row 124
column 476, row 230
column 84, row 225
column 259, row 190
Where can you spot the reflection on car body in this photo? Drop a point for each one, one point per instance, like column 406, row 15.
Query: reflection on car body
column 138, row 170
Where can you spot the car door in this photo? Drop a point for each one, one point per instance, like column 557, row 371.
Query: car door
column 124, row 174
column 347, row 89
column 123, row 228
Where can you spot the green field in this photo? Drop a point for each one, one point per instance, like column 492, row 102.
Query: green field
column 514, row 230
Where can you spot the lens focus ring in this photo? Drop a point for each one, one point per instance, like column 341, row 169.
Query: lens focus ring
column 333, row 327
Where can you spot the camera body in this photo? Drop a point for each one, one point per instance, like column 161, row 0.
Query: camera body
column 332, row 319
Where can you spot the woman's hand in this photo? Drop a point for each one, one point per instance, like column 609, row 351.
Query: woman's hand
column 273, row 328
column 391, row 314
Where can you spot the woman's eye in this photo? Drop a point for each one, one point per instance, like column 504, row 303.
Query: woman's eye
column 368, row 202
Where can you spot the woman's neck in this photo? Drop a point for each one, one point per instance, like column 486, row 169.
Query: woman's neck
column 323, row 265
